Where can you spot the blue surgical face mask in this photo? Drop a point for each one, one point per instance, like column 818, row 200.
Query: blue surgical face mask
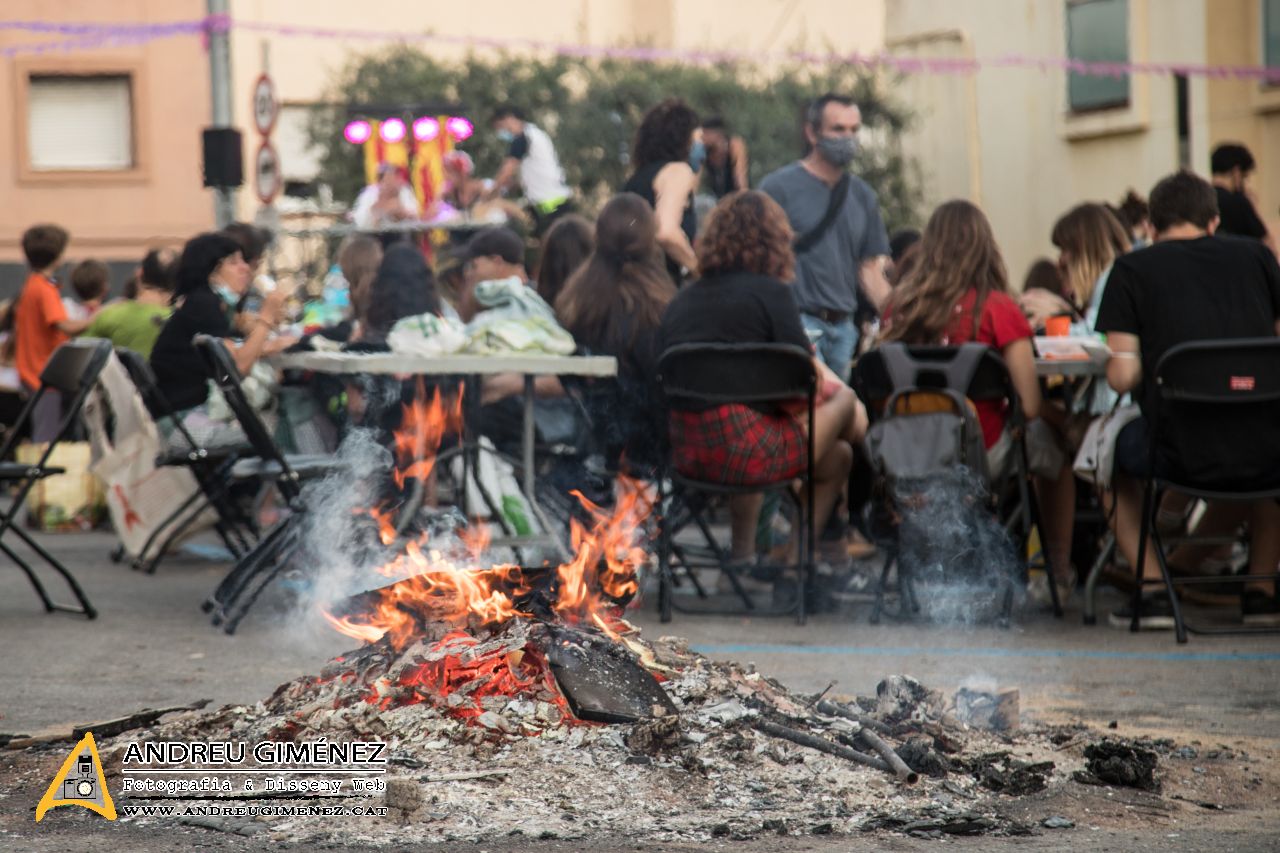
column 697, row 155
column 226, row 294
column 505, row 135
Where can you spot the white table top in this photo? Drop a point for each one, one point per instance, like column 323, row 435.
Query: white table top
column 1070, row 367
column 448, row 365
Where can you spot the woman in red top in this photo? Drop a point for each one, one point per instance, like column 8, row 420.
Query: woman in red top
column 959, row 292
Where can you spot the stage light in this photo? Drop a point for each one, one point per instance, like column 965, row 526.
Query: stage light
column 357, row 132
column 459, row 128
column 392, row 130
column 426, row 128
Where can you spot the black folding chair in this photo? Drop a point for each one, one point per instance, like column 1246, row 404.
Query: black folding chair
column 1230, row 390
column 254, row 571
column 72, row 370
column 212, row 469
column 1014, row 501
column 706, row 375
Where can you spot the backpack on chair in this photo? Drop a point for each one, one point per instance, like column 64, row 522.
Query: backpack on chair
column 928, row 426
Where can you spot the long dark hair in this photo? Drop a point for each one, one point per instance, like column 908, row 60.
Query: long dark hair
column 200, row 257
column 403, row 287
column 958, row 252
column 624, row 287
column 665, row 134
column 566, row 247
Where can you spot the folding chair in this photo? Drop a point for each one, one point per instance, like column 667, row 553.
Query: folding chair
column 875, row 379
column 211, row 468
column 254, row 571
column 707, row 375
column 1230, row 389
column 72, row 370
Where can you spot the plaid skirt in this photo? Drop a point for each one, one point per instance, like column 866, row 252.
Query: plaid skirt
column 737, row 446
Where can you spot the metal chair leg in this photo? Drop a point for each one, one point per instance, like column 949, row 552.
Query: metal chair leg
column 1095, row 574
column 1180, row 628
column 1144, row 530
column 31, row 576
column 280, row 559
column 86, row 608
column 242, row 571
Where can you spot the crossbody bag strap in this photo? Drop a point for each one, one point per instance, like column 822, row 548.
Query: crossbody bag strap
column 839, row 194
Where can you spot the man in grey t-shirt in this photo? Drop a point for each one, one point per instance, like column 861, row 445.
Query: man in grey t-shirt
column 852, row 249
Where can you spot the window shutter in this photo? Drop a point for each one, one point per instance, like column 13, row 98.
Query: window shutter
column 80, row 123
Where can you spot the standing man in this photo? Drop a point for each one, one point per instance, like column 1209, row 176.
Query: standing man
column 841, row 243
column 532, row 158
column 1232, row 166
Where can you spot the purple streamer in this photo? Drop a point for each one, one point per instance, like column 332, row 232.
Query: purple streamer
column 80, row 35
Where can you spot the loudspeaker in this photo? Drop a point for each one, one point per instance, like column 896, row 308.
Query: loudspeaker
column 223, row 157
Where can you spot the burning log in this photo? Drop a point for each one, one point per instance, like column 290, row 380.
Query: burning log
column 602, row 682
column 107, row 728
column 821, row 744
column 895, row 762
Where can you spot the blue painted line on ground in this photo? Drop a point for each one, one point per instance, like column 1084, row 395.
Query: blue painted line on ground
column 910, row 651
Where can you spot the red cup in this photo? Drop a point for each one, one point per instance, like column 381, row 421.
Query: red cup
column 1058, row 327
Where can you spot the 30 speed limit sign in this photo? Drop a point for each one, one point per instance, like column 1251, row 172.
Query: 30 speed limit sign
column 267, row 179
column 265, row 106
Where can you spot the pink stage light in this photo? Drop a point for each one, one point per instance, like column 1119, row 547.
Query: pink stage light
column 426, row 128
column 392, row 130
column 357, row 132
column 459, row 128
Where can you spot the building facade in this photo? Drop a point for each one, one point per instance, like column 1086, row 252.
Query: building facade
column 104, row 142
column 1028, row 144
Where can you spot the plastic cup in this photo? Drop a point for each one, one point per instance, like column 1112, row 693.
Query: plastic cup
column 1058, row 327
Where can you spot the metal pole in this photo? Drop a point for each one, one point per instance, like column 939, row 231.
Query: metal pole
column 224, row 205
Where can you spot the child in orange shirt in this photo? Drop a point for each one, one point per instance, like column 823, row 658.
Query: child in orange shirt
column 40, row 323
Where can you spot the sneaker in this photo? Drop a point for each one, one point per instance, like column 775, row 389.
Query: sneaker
column 859, row 586
column 1259, row 608
column 1156, row 615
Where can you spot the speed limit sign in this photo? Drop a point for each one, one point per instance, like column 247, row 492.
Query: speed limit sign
column 265, row 106
column 267, row 179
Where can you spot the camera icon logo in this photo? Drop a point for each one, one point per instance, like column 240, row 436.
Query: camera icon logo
column 79, row 782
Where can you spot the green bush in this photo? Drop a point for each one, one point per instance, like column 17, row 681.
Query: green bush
column 592, row 108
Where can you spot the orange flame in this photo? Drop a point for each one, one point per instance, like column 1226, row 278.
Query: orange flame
column 601, row 572
column 422, row 428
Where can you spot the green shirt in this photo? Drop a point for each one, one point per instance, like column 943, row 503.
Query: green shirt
column 132, row 325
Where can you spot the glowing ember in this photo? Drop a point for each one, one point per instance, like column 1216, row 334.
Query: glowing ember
column 460, row 670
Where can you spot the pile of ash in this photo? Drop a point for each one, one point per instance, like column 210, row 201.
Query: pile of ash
column 482, row 744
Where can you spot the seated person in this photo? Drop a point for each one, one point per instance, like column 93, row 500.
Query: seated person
column 211, row 277
column 745, row 258
column 134, row 322
column 565, row 249
column 1189, row 285
column 90, row 281
column 403, row 286
column 1089, row 238
column 612, row 306
column 959, row 292
column 387, row 202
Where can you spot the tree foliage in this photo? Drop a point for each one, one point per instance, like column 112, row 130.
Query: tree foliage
column 592, row 108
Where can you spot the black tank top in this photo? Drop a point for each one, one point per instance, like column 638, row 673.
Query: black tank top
column 641, row 183
column 720, row 180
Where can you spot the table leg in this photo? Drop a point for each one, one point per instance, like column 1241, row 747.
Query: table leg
column 529, row 436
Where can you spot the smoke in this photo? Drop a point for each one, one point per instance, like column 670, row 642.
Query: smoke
column 954, row 548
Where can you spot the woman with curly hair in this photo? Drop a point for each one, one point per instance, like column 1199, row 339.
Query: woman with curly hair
column 745, row 256
column 612, row 306
column 667, row 155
